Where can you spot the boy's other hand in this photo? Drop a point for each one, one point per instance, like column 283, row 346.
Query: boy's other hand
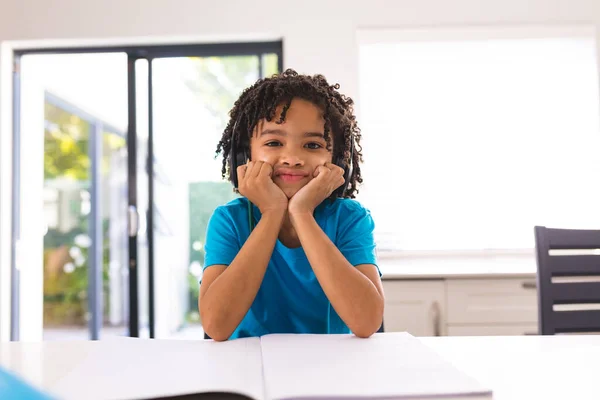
column 255, row 182
column 326, row 179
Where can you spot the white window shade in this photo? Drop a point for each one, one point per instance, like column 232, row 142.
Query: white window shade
column 471, row 139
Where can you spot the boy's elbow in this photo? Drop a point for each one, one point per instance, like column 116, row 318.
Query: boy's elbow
column 363, row 335
column 369, row 325
column 218, row 337
column 366, row 331
column 215, row 331
column 213, row 327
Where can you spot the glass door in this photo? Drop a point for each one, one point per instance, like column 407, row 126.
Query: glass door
column 114, row 181
column 70, row 196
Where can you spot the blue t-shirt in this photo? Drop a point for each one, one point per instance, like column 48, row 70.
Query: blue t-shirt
column 290, row 299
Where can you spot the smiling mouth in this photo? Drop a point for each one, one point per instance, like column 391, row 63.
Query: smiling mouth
column 289, row 178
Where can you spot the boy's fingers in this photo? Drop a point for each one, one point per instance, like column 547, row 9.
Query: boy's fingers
column 335, row 168
column 241, row 172
column 256, row 166
column 251, row 166
column 321, row 170
column 266, row 169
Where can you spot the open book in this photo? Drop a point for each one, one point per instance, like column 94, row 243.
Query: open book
column 273, row 367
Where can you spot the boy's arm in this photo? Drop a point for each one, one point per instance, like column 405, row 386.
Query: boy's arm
column 355, row 292
column 226, row 293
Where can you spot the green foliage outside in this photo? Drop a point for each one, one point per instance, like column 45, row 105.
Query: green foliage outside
column 66, row 159
column 66, row 247
column 66, row 289
column 204, row 198
column 221, row 80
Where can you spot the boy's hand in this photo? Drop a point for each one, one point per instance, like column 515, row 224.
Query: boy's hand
column 326, row 179
column 255, row 182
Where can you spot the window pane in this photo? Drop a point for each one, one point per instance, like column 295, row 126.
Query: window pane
column 476, row 141
column 188, row 184
column 67, row 207
column 115, row 271
column 270, row 65
column 72, row 109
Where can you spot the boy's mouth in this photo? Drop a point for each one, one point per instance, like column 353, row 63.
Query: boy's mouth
column 289, row 175
column 288, row 178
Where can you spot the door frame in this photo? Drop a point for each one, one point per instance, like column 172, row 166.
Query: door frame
column 10, row 151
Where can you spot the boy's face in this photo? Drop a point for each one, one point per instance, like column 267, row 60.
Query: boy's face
column 294, row 148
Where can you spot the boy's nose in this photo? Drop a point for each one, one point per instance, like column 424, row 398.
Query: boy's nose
column 293, row 162
column 291, row 159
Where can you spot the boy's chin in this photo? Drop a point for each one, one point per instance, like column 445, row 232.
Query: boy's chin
column 290, row 191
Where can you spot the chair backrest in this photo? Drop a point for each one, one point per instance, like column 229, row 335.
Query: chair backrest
column 567, row 280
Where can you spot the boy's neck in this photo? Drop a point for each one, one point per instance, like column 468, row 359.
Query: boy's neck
column 288, row 235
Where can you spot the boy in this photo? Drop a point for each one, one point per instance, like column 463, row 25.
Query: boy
column 296, row 253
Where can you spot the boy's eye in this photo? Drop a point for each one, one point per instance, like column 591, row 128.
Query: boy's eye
column 272, row 144
column 314, row 146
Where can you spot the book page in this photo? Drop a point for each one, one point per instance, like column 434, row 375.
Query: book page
column 389, row 365
column 148, row 369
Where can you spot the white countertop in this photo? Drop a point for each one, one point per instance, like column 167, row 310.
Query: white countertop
column 457, row 268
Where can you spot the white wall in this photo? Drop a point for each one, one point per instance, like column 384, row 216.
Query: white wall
column 319, row 36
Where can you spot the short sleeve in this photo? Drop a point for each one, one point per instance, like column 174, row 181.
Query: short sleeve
column 222, row 244
column 355, row 238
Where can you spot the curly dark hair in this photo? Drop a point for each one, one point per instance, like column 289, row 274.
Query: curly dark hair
column 261, row 100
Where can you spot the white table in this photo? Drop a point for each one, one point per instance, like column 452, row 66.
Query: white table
column 515, row 367
column 528, row 367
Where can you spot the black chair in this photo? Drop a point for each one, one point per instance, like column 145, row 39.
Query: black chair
column 578, row 289
column 379, row 330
